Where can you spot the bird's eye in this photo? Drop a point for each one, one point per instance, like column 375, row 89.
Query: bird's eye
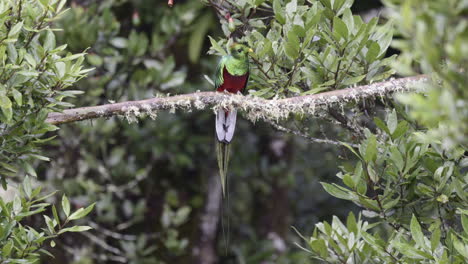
column 239, row 50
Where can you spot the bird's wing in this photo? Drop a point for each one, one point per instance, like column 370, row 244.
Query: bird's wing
column 218, row 78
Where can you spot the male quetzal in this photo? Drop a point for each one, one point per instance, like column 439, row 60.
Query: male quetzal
column 232, row 75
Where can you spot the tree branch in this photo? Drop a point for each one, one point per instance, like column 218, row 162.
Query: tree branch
column 255, row 108
column 308, row 137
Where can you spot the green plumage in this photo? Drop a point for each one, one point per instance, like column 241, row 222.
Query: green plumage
column 218, row 78
column 236, row 63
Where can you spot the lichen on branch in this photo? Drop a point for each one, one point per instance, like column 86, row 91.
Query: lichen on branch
column 254, row 108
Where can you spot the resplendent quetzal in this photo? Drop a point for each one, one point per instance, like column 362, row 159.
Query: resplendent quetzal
column 232, row 75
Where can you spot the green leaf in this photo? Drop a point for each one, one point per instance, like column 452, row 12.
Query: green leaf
column 55, row 214
column 65, row 205
column 386, row 39
column 416, row 232
column 28, row 73
column 294, row 89
column 319, row 246
column 315, row 90
column 372, row 174
column 435, row 238
column 50, row 224
column 397, row 158
column 340, row 28
column 80, row 213
column 293, row 40
column 60, row 5
column 326, row 3
column 351, row 223
column 49, row 43
column 373, row 50
column 348, row 181
column 12, row 53
column 291, row 8
column 278, row 10
column 370, row 204
column 6, row 250
column 258, row 2
column 392, row 121
column 71, row 57
column 351, row 149
column 5, row 105
column 46, row 253
column 424, row 190
column 337, row 4
column 299, row 31
column 75, row 229
column 380, row 124
column 390, row 203
column 9, row 167
column 291, row 51
column 462, row 248
column 17, row 96
column 5, row 210
column 61, row 69
column 216, row 46
column 312, row 20
column 45, row 3
column 400, row 130
column 371, row 149
column 39, row 157
column 409, row 251
column 353, row 80
column 27, row 187
column 464, row 221
column 337, row 191
column 15, row 30
column 29, row 169
column 348, row 19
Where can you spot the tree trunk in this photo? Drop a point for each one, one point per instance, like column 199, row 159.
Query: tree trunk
column 204, row 252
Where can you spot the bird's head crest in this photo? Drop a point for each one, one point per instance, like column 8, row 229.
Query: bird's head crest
column 239, row 50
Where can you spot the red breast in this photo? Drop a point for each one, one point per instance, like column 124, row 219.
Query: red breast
column 232, row 83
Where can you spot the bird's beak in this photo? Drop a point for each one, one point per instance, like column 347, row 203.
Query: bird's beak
column 251, row 51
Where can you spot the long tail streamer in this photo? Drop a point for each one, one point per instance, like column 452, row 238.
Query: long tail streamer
column 222, row 153
column 225, row 126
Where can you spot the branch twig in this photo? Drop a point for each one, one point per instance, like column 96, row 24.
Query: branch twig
column 103, row 244
column 306, row 136
column 255, row 108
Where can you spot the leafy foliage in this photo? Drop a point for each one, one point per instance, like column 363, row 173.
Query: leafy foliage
column 35, row 73
column 435, row 42
column 411, row 179
column 21, row 243
column 413, row 189
column 307, row 47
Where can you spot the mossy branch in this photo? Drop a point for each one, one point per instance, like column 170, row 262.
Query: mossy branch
column 255, row 108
